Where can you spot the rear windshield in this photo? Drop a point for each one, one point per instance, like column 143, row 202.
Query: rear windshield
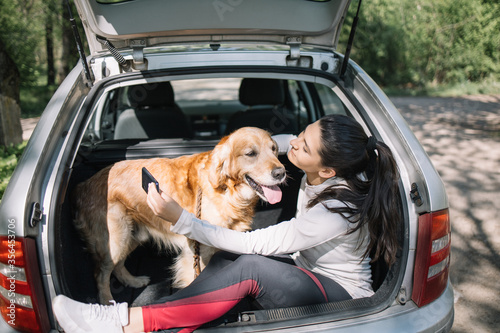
column 210, row 108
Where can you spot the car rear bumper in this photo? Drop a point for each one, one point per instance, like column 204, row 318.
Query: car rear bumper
column 435, row 317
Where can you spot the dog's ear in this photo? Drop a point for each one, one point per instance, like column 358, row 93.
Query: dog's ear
column 219, row 163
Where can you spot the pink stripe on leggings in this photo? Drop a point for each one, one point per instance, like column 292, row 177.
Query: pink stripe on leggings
column 315, row 279
column 192, row 312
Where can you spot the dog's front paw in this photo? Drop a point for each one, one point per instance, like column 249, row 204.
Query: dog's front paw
column 138, row 281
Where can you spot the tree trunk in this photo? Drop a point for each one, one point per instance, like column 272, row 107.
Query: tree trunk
column 49, row 43
column 68, row 44
column 10, row 112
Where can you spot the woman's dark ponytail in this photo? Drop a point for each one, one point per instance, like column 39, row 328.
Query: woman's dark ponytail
column 380, row 210
column 371, row 199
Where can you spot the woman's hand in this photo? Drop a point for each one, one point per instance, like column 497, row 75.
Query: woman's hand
column 163, row 205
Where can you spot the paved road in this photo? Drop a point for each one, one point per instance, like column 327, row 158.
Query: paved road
column 28, row 126
column 462, row 138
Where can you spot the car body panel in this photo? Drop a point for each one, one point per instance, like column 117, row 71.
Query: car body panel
column 44, row 172
column 228, row 55
column 434, row 318
column 431, row 184
column 27, row 180
column 191, row 22
column 410, row 152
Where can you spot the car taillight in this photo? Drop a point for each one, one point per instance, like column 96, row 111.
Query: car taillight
column 22, row 302
column 432, row 260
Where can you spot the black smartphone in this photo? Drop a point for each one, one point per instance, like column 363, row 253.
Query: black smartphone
column 147, row 178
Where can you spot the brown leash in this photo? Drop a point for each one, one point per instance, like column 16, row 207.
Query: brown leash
column 196, row 265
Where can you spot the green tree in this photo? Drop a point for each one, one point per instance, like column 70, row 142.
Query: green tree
column 69, row 52
column 10, row 126
column 50, row 17
column 417, row 42
column 21, row 31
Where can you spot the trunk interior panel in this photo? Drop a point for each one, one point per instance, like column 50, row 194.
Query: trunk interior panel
column 77, row 264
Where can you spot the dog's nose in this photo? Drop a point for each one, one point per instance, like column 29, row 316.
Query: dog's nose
column 278, row 173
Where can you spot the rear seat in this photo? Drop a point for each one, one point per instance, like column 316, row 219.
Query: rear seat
column 153, row 114
column 265, row 99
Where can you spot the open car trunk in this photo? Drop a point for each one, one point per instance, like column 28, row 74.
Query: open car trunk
column 97, row 150
column 149, row 260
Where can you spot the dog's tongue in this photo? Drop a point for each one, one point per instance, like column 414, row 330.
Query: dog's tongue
column 272, row 193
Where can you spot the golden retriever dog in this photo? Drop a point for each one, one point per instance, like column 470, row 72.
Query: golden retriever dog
column 113, row 216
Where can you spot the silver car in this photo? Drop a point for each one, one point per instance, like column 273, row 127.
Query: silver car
column 169, row 78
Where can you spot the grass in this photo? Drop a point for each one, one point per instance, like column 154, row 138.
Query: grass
column 486, row 87
column 8, row 161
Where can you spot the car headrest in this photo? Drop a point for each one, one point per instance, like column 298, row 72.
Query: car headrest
column 151, row 95
column 255, row 91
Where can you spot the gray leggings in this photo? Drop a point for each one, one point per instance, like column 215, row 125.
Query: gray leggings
column 273, row 282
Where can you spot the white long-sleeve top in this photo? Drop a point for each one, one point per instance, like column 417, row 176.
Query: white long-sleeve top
column 316, row 238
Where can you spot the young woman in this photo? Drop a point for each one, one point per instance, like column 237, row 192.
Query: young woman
column 347, row 209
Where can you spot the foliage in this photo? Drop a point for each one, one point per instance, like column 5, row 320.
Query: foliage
column 409, row 44
column 8, row 161
column 420, row 43
column 27, row 27
column 34, row 99
column 21, row 31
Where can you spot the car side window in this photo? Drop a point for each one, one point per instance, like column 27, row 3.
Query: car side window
column 300, row 102
column 330, row 101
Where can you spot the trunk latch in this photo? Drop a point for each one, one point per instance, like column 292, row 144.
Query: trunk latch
column 415, row 195
column 36, row 214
